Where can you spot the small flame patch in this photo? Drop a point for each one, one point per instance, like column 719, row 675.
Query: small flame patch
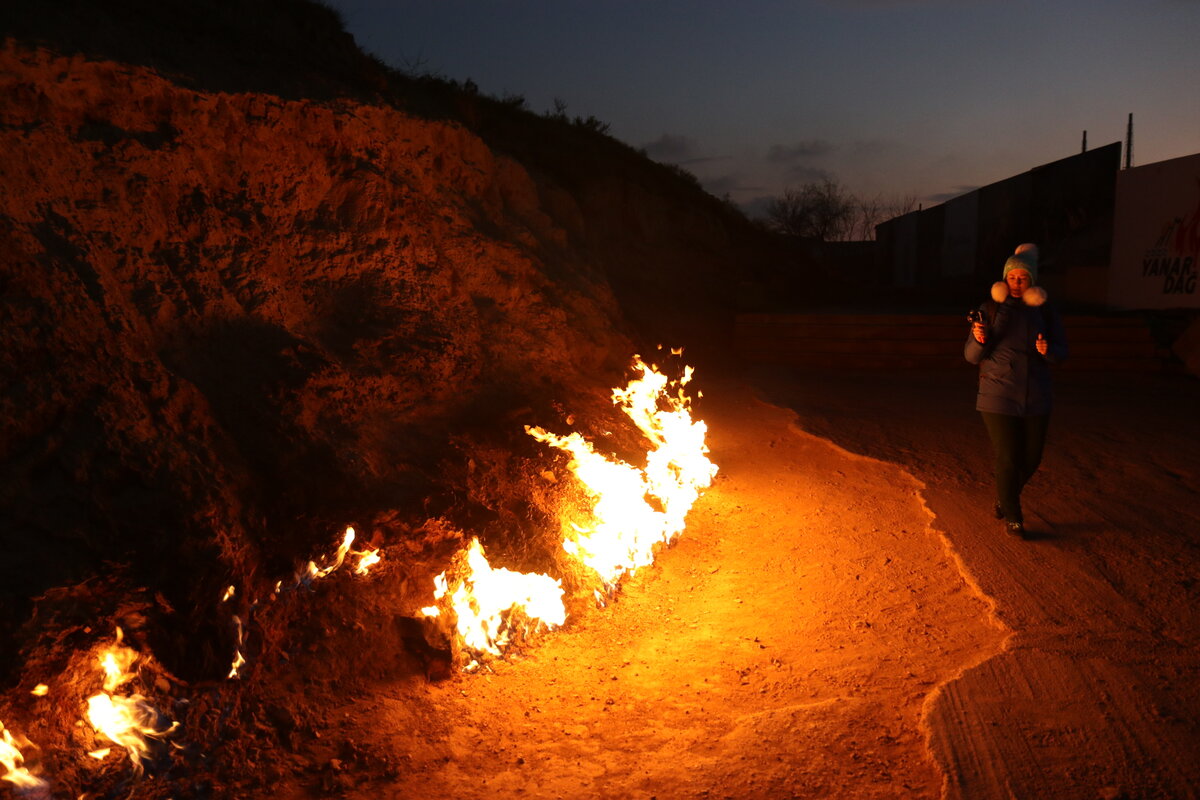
column 124, row 720
column 12, row 762
column 491, row 606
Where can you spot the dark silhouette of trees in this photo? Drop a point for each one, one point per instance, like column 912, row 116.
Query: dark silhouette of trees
column 828, row 212
column 822, row 211
column 869, row 212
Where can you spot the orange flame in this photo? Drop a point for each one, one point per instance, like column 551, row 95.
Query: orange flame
column 485, row 600
column 238, row 659
column 311, row 572
column 632, row 511
column 339, row 557
column 13, row 762
column 125, row 721
column 636, row 509
column 366, row 560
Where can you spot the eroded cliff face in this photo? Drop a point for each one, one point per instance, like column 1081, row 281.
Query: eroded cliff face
column 234, row 323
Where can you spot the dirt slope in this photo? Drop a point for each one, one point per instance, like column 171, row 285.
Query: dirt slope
column 249, row 321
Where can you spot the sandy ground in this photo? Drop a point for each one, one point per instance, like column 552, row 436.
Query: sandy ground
column 1095, row 694
column 844, row 618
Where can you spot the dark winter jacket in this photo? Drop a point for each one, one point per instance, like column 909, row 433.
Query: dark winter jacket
column 1014, row 378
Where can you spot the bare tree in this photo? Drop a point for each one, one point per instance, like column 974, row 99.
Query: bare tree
column 827, row 212
column 870, row 212
column 823, row 211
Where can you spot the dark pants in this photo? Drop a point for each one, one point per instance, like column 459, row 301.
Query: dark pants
column 1017, row 443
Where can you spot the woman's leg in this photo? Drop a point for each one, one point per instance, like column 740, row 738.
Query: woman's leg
column 1034, row 443
column 1007, row 442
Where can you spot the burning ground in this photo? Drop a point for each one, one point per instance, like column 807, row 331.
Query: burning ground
column 240, row 323
column 240, row 327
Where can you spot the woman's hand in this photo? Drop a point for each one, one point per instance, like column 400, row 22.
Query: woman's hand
column 1042, row 345
column 981, row 335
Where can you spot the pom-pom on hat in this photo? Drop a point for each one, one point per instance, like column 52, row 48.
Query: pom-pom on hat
column 1026, row 258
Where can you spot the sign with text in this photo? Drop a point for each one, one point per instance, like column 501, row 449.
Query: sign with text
column 1156, row 236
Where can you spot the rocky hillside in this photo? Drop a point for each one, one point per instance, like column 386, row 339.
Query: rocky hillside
column 255, row 286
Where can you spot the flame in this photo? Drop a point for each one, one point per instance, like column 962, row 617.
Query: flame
column 125, row 721
column 41, row 690
column 485, row 601
column 635, row 509
column 366, row 560
column 311, row 572
column 632, row 510
column 338, row 559
column 238, row 659
column 13, row 763
column 624, row 526
column 116, row 662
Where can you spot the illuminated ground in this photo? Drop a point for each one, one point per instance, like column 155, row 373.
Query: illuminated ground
column 815, row 632
column 842, row 618
column 1096, row 694
column 785, row 646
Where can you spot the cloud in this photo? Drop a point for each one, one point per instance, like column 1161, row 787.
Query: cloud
column 722, row 185
column 811, row 148
column 689, row 162
column 863, row 148
column 801, row 174
column 757, row 207
column 885, row 4
column 671, row 147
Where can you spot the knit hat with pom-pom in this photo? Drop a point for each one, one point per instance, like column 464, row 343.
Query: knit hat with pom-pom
column 1026, row 258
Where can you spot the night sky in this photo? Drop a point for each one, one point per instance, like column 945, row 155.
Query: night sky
column 899, row 98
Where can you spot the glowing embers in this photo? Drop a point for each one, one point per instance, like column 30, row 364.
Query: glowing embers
column 12, row 763
column 126, row 721
column 493, row 606
column 635, row 509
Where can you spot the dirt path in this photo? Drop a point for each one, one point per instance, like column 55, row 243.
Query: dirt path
column 787, row 645
column 1097, row 693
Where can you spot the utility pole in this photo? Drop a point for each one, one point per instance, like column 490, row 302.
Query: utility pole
column 1084, row 150
column 1129, row 143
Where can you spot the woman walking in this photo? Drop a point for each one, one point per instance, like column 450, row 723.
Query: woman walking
column 1014, row 339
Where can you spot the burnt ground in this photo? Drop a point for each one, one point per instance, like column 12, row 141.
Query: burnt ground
column 843, row 618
